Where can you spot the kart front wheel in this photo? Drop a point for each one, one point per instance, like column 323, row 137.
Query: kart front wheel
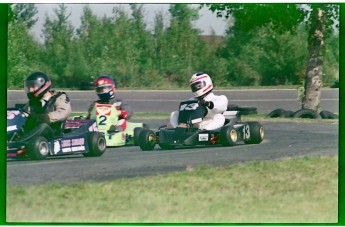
column 228, row 136
column 256, row 131
column 147, row 140
column 137, row 132
column 38, row 148
column 97, row 144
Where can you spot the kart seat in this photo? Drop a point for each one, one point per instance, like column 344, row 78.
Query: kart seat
column 231, row 117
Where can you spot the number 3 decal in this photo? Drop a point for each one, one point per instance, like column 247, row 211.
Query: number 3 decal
column 246, row 132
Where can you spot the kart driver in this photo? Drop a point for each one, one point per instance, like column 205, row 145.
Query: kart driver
column 47, row 109
column 105, row 89
column 202, row 86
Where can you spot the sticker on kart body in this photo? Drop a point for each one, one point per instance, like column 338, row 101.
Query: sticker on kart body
column 103, row 109
column 197, row 120
column 11, row 128
column 12, row 113
column 203, row 137
column 93, row 127
column 70, row 145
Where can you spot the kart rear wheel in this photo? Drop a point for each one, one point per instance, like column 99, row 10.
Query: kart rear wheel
column 147, row 140
column 97, row 144
column 38, row 148
column 257, row 133
column 228, row 136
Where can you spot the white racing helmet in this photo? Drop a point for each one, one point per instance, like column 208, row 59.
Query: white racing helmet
column 200, row 84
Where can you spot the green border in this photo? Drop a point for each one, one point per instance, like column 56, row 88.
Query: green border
column 3, row 89
column 341, row 194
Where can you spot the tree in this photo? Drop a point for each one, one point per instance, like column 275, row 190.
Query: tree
column 25, row 13
column 23, row 52
column 183, row 45
column 60, row 48
column 265, row 57
column 93, row 42
column 286, row 17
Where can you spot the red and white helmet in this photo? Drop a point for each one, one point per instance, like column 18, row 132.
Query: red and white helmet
column 105, row 87
column 200, row 83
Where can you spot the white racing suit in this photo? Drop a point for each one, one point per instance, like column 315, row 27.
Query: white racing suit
column 214, row 118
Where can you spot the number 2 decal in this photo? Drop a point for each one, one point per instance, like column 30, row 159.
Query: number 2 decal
column 246, row 132
column 102, row 118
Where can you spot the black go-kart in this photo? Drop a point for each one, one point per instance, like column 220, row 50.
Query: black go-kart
column 86, row 140
column 190, row 113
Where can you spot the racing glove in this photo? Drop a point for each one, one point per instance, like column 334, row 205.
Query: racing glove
column 208, row 104
column 123, row 114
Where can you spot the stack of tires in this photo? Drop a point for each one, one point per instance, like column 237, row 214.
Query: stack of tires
column 243, row 110
column 302, row 113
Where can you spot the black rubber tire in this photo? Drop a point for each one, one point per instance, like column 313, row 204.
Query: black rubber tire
column 247, row 108
column 306, row 113
column 328, row 115
column 256, row 131
column 97, row 144
column 228, row 136
column 276, row 113
column 147, row 140
column 247, row 112
column 137, row 132
column 289, row 113
column 232, row 107
column 38, row 148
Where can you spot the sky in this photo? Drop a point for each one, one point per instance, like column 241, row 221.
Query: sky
column 207, row 20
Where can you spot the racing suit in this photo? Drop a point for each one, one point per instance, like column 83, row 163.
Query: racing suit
column 125, row 111
column 214, row 118
column 47, row 115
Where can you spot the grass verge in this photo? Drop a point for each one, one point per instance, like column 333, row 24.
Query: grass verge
column 299, row 190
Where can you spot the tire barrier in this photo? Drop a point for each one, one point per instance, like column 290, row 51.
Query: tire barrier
column 302, row 113
column 243, row 110
column 306, row 113
column 328, row 115
column 276, row 113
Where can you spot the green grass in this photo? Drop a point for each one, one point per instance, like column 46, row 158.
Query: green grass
column 253, row 117
column 299, row 190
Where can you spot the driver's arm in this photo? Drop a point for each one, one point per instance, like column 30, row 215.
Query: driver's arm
column 62, row 110
column 220, row 104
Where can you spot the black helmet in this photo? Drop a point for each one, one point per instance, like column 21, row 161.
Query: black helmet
column 36, row 85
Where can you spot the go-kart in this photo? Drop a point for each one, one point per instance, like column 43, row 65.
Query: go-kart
column 106, row 117
column 190, row 113
column 86, row 140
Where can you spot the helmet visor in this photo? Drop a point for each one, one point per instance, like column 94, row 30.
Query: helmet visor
column 197, row 86
column 33, row 85
column 103, row 89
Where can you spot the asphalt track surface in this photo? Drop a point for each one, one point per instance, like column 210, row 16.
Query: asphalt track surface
column 167, row 101
column 282, row 140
